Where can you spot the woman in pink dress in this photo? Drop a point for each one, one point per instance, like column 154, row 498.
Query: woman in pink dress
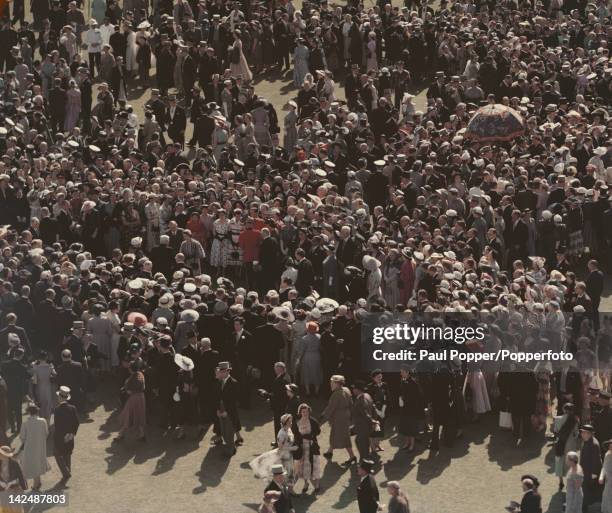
column 238, row 63
column 73, row 106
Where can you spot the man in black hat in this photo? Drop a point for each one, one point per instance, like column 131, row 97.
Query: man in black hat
column 66, row 422
column 363, row 418
column 367, row 490
column 590, row 461
column 226, row 399
column 602, row 420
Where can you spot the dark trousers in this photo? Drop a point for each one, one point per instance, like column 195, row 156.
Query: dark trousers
column 14, row 413
column 282, row 54
column 166, row 407
column 362, row 441
column 435, row 435
column 277, row 423
column 64, row 462
column 520, row 424
column 94, row 62
column 250, row 275
column 57, row 125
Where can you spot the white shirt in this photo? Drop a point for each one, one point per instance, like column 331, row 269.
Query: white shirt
column 93, row 40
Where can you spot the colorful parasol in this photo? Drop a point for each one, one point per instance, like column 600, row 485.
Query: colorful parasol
column 495, row 123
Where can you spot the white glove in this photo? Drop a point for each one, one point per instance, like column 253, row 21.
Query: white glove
column 401, row 402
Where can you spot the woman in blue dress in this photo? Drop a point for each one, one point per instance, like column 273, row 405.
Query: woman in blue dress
column 300, row 63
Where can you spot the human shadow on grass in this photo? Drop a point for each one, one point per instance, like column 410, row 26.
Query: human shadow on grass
column 349, row 493
column 175, row 449
column 401, row 463
column 504, row 450
column 555, row 504
column 436, row 461
column 121, row 452
column 213, row 468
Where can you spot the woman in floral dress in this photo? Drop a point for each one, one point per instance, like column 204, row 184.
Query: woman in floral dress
column 220, row 246
column 307, row 457
column 234, row 256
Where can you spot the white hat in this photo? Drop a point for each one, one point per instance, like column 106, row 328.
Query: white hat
column 190, row 288
column 183, row 362
column 136, row 242
column 547, row 215
column 477, row 210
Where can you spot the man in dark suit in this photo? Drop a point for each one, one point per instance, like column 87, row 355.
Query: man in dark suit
column 205, row 381
column 162, row 257
column 279, row 484
column 594, row 289
column 269, row 259
column 24, row 341
column 166, row 379
column 367, row 490
column 531, row 501
column 17, row 380
column 363, row 418
column 243, row 356
column 268, row 341
column 277, row 395
column 590, row 461
column 517, row 239
column 305, row 278
column 49, row 329
column 72, row 375
column 176, row 121
column 602, row 420
column 66, row 422
column 227, row 423
column 57, row 104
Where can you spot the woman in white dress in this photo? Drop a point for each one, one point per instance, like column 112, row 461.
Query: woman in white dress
column 113, row 316
column 131, row 63
column 605, row 479
column 285, row 440
column 573, row 479
column 476, row 384
column 238, row 64
column 220, row 245
column 33, row 456
column 371, row 58
column 283, row 454
column 219, row 138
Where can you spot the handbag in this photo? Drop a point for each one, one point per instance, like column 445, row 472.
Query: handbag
column 505, row 420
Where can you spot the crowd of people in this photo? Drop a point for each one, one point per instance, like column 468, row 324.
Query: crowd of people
column 206, row 254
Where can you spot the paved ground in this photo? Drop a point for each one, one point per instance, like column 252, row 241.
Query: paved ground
column 480, row 474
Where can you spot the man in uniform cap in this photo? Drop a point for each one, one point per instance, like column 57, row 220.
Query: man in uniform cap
column 367, row 489
column 590, row 461
column 602, row 420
